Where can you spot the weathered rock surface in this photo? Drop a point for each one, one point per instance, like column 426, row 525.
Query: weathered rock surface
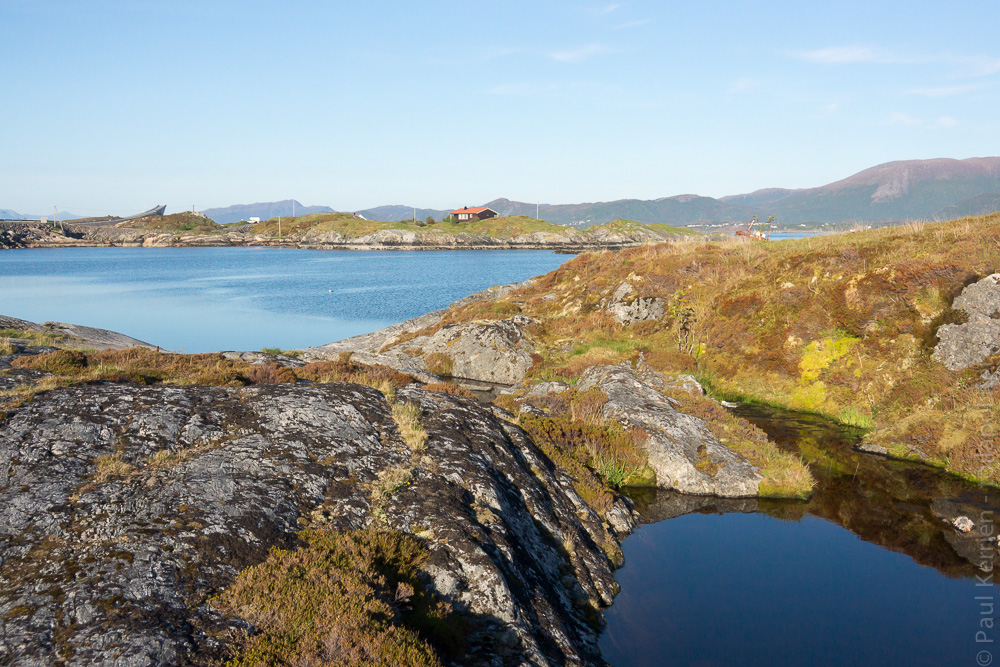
column 108, row 555
column 496, row 352
column 961, row 346
column 627, row 307
column 682, row 451
column 85, row 336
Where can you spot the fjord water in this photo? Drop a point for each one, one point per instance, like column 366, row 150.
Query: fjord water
column 210, row 299
column 864, row 573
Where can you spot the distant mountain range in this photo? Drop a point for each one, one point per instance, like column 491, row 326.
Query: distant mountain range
column 939, row 189
column 912, row 189
column 8, row 214
column 263, row 210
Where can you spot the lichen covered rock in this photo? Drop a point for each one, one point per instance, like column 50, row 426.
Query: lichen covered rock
column 627, row 307
column 124, row 509
column 961, row 346
column 682, row 451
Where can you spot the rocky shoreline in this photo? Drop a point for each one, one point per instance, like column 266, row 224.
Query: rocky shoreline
column 28, row 235
column 127, row 508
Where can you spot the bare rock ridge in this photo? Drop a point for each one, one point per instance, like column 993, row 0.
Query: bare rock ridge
column 75, row 334
column 124, row 509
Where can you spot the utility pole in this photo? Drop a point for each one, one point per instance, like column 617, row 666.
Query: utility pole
column 293, row 208
column 536, row 209
column 279, row 226
column 414, row 214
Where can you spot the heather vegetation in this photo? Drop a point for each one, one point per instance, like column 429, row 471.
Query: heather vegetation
column 842, row 326
column 146, row 366
column 350, row 598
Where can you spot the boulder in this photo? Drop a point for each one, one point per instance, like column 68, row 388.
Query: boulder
column 627, row 307
column 682, row 451
column 961, row 346
column 496, row 352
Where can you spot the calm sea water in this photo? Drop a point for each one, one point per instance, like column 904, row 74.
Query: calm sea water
column 208, row 299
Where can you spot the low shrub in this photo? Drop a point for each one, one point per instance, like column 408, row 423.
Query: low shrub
column 269, row 372
column 345, row 599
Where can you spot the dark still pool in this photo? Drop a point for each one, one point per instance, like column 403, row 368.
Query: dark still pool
column 865, row 573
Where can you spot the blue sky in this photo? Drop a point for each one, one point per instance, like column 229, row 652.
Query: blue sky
column 116, row 106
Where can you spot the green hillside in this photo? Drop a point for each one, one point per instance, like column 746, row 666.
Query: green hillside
column 186, row 222
column 503, row 227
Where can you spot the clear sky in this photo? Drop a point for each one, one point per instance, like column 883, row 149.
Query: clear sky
column 112, row 107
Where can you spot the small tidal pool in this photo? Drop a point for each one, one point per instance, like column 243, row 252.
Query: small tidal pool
column 864, row 573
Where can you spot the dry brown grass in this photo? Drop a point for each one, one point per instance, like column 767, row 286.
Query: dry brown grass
column 111, row 467
column 439, row 364
column 408, row 419
column 344, row 369
column 450, row 389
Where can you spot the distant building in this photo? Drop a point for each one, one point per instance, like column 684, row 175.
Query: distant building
column 478, row 213
column 253, row 221
column 359, row 216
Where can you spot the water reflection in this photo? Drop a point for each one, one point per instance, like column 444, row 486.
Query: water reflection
column 757, row 582
column 895, row 504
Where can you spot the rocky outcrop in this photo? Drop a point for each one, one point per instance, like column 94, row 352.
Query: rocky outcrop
column 961, row 346
column 124, row 509
column 20, row 235
column 684, row 454
column 495, row 352
column 627, row 307
column 78, row 336
column 32, row 234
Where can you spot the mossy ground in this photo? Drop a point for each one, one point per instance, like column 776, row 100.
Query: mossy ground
column 840, row 325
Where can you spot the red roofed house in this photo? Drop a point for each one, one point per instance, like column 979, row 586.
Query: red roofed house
column 479, row 213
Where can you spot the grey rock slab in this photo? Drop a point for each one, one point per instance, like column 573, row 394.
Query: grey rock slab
column 115, row 568
column 677, row 441
column 87, row 336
